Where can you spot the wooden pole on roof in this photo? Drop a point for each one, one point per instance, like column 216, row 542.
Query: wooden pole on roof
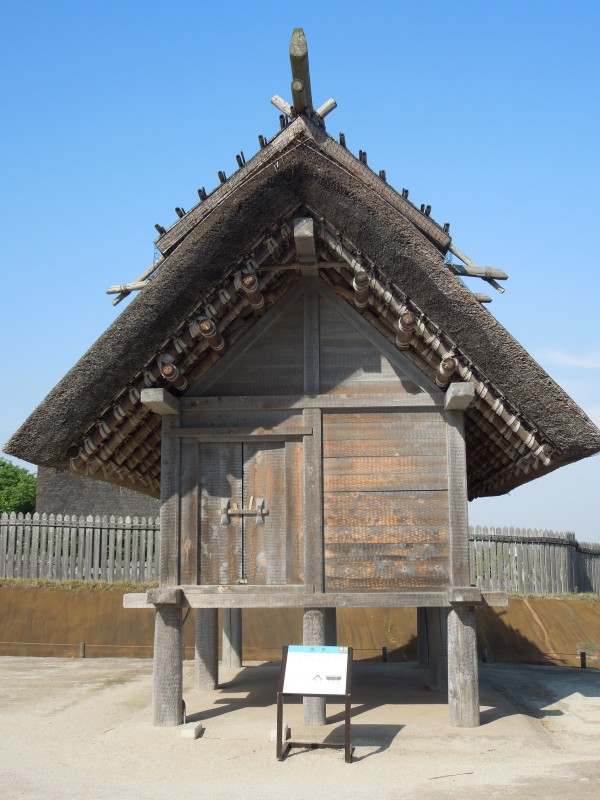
column 301, row 91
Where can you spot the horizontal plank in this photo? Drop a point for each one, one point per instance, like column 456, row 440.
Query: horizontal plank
column 274, row 402
column 235, row 418
column 421, row 420
column 425, row 536
column 369, row 509
column 408, row 583
column 385, row 474
column 195, row 597
column 280, row 433
column 362, row 387
column 373, row 574
column 402, row 552
column 382, row 448
column 248, row 588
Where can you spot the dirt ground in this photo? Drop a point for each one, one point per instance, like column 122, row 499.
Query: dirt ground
column 82, row 729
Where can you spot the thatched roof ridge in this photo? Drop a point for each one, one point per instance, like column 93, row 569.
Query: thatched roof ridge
column 301, row 167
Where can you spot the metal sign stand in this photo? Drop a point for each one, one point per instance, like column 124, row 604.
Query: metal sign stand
column 284, row 747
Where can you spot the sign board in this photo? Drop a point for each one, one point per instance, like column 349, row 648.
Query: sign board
column 316, row 670
column 312, row 670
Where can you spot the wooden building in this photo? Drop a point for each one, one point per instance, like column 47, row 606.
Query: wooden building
column 314, row 394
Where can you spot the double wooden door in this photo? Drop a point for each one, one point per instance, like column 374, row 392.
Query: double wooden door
column 250, row 512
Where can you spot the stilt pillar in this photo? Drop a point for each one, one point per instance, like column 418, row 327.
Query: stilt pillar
column 437, row 640
column 330, row 626
column 207, row 654
column 168, row 666
column 232, row 637
column 422, row 643
column 313, row 633
column 463, row 675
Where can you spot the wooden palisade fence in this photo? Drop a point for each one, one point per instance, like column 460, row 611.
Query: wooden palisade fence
column 63, row 547
column 525, row 561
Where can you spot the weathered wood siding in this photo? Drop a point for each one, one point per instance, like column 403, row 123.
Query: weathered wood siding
column 378, row 475
column 270, row 362
column 349, row 362
column 385, row 501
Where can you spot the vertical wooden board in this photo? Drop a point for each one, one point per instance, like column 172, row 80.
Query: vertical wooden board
column 272, row 364
column 520, row 574
column 18, row 569
column 170, row 465
column 35, row 547
column 73, row 550
column 111, row 550
column 313, row 501
column 457, row 498
column 127, row 536
column 294, row 452
column 463, row 671
column 89, row 542
column 264, row 544
column 151, row 554
column 135, row 550
column 479, row 567
column 311, row 339
column 65, row 552
column 26, row 546
column 189, row 514
column 220, row 479
column 3, row 543
column 143, row 545
column 41, row 560
column 537, row 568
column 348, row 361
column 119, row 554
column 103, row 550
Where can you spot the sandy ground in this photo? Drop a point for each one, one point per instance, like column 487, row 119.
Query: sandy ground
column 82, row 729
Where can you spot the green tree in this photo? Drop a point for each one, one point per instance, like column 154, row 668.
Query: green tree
column 17, row 488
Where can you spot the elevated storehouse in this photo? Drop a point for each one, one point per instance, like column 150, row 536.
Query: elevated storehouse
column 314, row 394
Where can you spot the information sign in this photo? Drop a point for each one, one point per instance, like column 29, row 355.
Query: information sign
column 316, row 670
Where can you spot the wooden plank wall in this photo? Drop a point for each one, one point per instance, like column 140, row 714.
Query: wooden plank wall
column 349, row 362
column 385, row 500
column 274, row 362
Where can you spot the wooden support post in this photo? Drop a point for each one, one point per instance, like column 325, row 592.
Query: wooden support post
column 313, row 632
column 330, row 626
column 168, row 666
column 437, row 639
column 232, row 638
column 422, row 642
column 463, row 678
column 207, row 650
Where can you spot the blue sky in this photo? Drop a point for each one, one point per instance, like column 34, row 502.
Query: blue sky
column 115, row 113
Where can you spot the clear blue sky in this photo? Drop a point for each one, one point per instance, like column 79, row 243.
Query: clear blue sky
column 115, row 113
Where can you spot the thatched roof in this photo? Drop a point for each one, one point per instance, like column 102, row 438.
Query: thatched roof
column 522, row 425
